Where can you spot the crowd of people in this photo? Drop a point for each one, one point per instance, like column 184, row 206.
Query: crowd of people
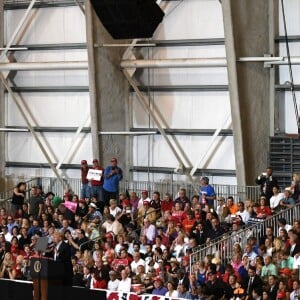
column 143, row 243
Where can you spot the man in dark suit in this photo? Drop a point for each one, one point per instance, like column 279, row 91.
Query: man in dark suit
column 294, row 247
column 62, row 254
column 267, row 181
column 253, row 281
column 272, row 287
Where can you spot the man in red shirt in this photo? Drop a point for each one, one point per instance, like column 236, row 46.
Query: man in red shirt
column 188, row 224
column 97, row 185
column 167, row 203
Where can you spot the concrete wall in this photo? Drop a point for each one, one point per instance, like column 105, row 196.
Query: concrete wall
column 108, row 93
column 247, row 35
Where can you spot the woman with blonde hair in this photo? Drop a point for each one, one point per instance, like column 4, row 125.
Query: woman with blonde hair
column 6, row 266
column 171, row 231
column 295, row 186
column 278, row 245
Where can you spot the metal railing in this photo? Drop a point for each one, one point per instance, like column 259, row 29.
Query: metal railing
column 223, row 247
column 240, row 193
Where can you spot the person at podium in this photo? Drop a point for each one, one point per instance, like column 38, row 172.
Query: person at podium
column 62, row 253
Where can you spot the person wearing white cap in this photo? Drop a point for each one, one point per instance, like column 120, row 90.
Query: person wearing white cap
column 94, row 215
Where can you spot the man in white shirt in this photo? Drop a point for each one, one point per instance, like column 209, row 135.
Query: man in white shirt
column 6, row 233
column 296, row 290
column 144, row 197
column 158, row 243
column 125, row 282
column 137, row 261
column 275, row 199
column 113, row 283
column 220, row 206
column 243, row 213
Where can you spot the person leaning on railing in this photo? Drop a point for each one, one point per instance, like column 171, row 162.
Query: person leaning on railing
column 288, row 201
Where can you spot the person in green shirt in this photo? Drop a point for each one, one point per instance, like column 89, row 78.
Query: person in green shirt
column 286, row 260
column 269, row 268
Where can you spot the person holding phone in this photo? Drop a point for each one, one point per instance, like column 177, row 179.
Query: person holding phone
column 267, row 181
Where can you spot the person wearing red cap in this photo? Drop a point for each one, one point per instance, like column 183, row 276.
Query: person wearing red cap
column 85, row 188
column 96, row 185
column 112, row 176
column 159, row 289
column 144, row 197
column 146, row 212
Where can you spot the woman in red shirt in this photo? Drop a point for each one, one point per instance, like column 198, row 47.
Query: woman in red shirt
column 263, row 211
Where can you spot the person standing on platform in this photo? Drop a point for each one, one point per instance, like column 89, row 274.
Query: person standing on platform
column 207, row 193
column 112, row 176
column 85, row 188
column 267, row 181
column 18, row 197
column 97, row 185
column 35, row 203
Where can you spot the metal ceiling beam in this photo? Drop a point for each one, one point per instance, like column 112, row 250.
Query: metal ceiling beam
column 203, row 62
column 132, row 64
column 175, row 63
column 179, row 131
column 183, row 88
column 49, row 129
column 50, row 89
column 48, row 47
column 44, row 66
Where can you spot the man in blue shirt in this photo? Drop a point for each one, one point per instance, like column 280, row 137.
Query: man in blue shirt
column 207, row 193
column 159, row 289
column 112, row 176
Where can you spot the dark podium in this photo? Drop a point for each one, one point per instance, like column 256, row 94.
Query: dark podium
column 45, row 273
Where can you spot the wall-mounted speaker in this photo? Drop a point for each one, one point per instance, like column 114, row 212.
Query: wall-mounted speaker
column 129, row 19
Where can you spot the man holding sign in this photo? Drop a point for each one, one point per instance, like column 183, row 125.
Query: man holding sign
column 95, row 177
